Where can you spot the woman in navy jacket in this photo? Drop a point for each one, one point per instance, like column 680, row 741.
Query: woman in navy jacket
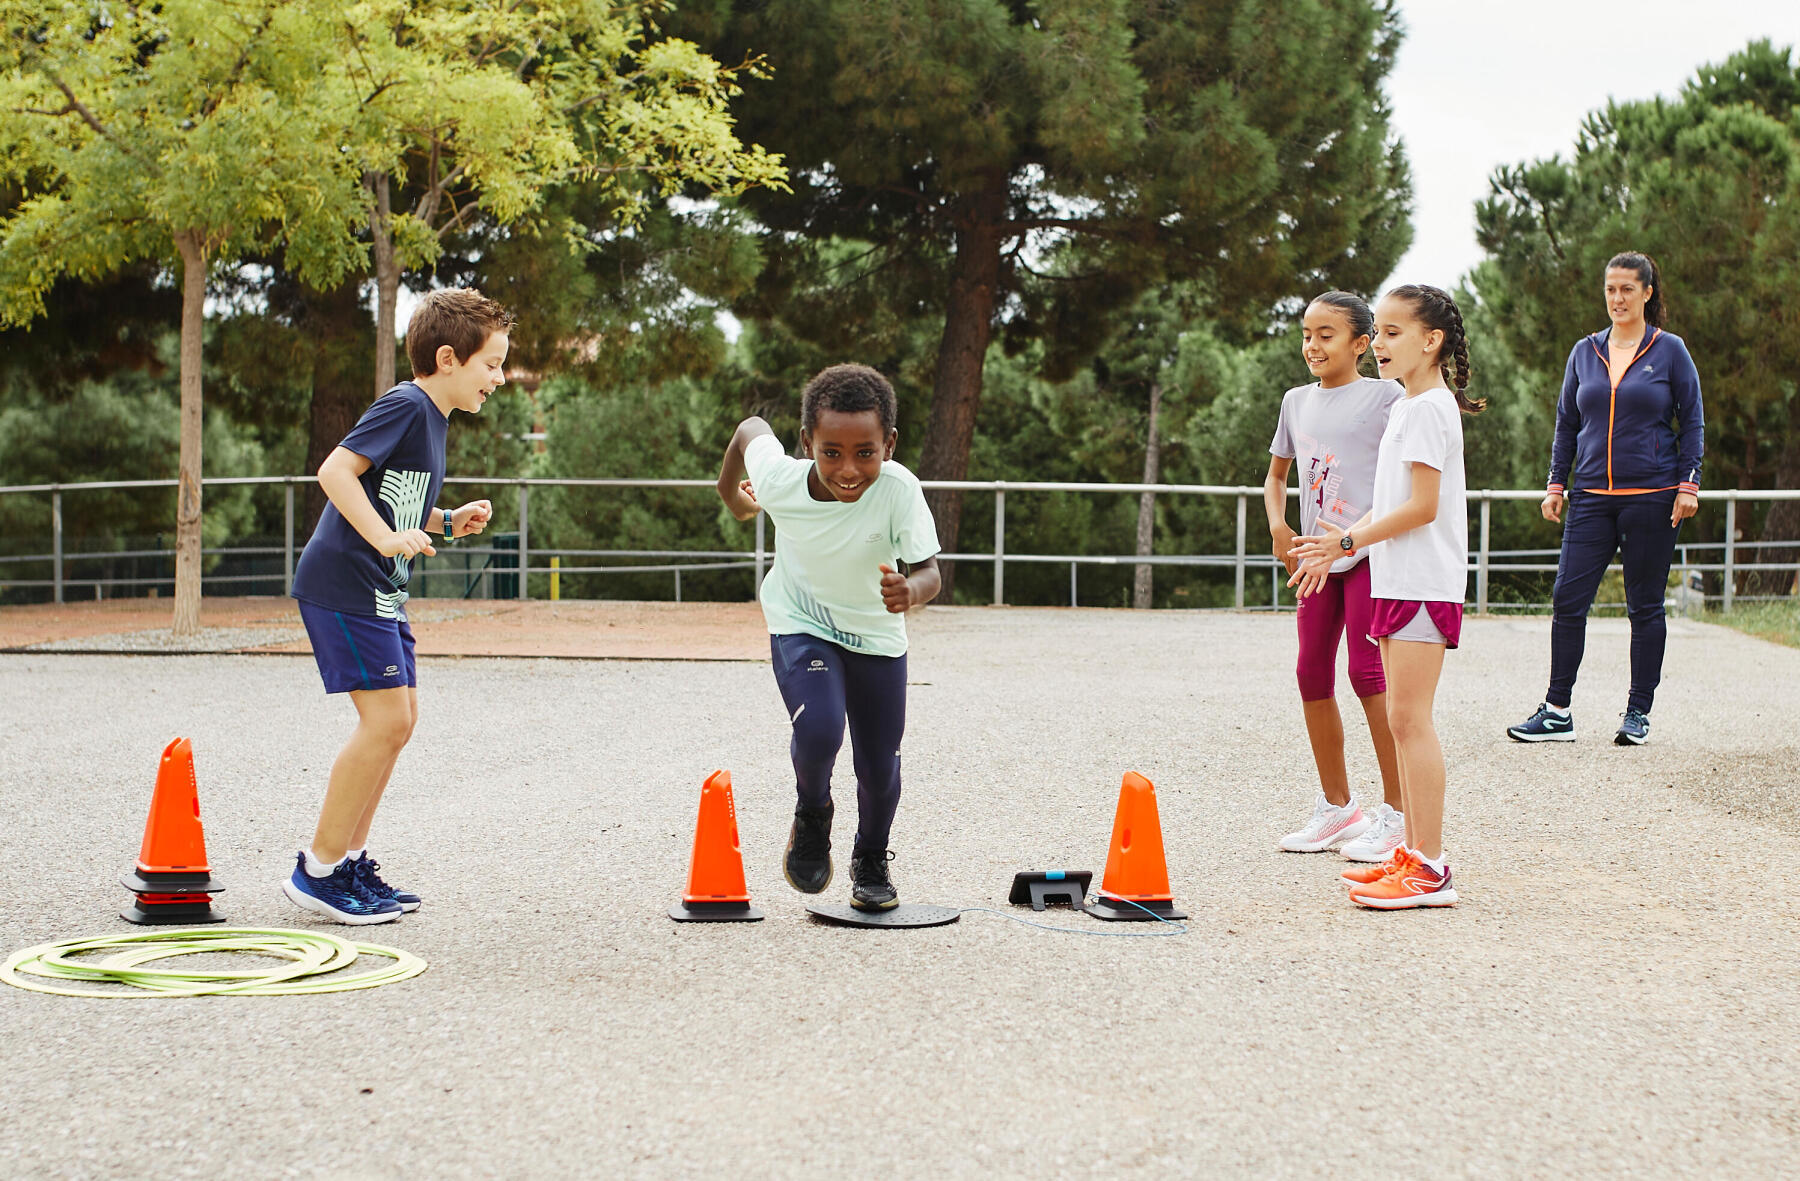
column 1626, row 461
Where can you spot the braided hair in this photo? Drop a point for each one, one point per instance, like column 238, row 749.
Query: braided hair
column 1436, row 309
column 1645, row 267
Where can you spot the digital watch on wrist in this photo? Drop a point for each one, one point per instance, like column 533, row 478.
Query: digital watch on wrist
column 449, row 526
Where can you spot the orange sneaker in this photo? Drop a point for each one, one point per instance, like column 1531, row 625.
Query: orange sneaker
column 1366, row 875
column 1409, row 882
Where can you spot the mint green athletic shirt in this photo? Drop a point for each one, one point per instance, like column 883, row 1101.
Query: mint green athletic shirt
column 826, row 580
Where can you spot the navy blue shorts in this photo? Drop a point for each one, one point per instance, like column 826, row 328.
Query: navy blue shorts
column 359, row 651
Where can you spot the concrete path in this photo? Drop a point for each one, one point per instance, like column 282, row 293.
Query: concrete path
column 1617, row 994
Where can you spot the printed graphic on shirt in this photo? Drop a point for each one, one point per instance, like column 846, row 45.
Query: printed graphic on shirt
column 809, row 606
column 404, row 493
column 1322, row 483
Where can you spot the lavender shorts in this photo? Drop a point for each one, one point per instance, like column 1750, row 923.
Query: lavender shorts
column 1403, row 619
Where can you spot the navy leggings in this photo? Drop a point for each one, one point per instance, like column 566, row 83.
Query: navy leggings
column 1637, row 528
column 823, row 685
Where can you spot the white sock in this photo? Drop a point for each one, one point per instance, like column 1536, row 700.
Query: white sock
column 1561, row 711
column 316, row 867
column 356, row 854
column 1438, row 866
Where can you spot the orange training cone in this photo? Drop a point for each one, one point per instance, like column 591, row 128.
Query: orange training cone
column 173, row 880
column 1136, row 872
column 715, row 889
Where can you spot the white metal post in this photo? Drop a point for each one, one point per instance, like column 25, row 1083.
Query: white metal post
column 1238, row 596
column 287, row 552
column 999, row 547
column 1481, row 561
column 56, row 555
column 756, row 591
column 1730, row 547
column 524, row 548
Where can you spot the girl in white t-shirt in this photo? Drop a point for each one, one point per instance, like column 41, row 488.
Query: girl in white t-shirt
column 1416, row 532
column 1329, row 433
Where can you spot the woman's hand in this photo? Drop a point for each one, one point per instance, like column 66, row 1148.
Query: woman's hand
column 1686, row 505
column 1552, row 507
column 1310, row 576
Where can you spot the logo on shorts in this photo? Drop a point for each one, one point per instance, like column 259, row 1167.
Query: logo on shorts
column 873, row 538
column 393, row 670
column 817, row 666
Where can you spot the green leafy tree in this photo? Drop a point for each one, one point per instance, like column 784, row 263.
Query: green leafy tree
column 1709, row 183
column 470, row 110
column 1028, row 167
column 184, row 132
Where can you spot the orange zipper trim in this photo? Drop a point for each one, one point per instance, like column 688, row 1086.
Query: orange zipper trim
column 1612, row 404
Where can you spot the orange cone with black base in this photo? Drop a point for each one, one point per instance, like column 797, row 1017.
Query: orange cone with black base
column 715, row 890
column 1136, row 885
column 173, row 880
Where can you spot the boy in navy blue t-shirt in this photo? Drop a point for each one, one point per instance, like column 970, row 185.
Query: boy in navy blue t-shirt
column 383, row 482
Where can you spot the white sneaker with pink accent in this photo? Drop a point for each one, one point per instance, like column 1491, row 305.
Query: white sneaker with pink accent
column 1329, row 825
column 1387, row 832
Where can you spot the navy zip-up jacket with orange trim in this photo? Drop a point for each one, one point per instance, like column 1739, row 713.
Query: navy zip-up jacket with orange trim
column 1646, row 435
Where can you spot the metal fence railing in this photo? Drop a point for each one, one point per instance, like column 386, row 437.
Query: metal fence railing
column 509, row 569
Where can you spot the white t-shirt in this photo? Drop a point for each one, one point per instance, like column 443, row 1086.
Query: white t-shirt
column 826, row 578
column 1430, row 563
column 1333, row 435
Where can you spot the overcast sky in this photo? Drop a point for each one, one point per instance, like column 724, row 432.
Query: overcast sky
column 1480, row 83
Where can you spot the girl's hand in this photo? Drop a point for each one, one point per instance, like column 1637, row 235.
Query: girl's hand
column 1281, row 541
column 407, row 544
column 1553, row 506
column 1327, row 545
column 1310, row 577
column 471, row 518
column 1686, row 505
column 896, row 592
column 743, row 503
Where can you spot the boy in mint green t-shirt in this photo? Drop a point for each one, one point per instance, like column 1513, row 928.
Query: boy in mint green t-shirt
column 846, row 517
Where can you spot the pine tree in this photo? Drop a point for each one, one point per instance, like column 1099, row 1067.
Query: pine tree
column 1028, row 167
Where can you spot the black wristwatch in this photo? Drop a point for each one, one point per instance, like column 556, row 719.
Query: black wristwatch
column 1347, row 545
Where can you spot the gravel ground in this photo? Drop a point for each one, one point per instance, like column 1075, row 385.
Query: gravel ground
column 1615, row 995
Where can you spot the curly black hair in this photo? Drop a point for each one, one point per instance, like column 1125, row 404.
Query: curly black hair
column 848, row 389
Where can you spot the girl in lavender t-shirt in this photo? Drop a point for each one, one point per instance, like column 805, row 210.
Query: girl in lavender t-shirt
column 1329, row 434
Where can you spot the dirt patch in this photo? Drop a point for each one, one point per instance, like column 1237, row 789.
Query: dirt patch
column 592, row 630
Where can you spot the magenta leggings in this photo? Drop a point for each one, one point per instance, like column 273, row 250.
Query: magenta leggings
column 1342, row 606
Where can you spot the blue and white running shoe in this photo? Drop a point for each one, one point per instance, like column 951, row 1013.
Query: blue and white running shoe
column 367, row 872
column 340, row 897
column 1634, row 730
column 1546, row 725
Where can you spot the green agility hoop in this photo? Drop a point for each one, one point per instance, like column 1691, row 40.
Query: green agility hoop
column 316, row 960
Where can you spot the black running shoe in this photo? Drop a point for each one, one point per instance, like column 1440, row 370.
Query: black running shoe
column 1546, row 725
column 808, row 861
column 1634, row 730
column 870, row 888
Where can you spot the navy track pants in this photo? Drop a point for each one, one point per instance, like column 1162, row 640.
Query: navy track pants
column 1637, row 528
column 825, row 685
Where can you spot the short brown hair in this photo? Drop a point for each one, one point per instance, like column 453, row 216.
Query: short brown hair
column 460, row 317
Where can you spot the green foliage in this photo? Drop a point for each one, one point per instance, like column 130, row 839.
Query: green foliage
column 1709, row 184
column 124, row 125
column 118, row 428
